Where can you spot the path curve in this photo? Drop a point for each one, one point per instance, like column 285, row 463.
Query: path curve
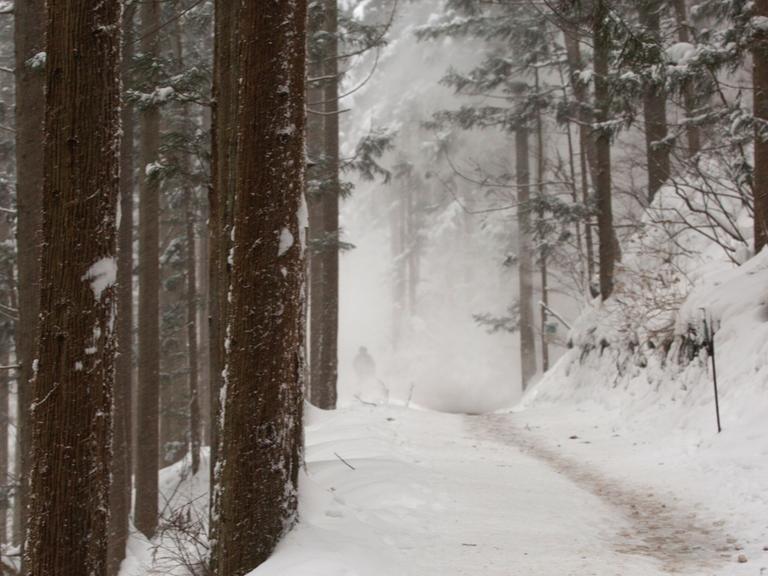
column 672, row 534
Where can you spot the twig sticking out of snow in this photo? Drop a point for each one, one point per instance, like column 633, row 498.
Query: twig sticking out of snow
column 345, row 462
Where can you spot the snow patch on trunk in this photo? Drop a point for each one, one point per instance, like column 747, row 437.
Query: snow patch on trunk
column 102, row 274
column 286, row 242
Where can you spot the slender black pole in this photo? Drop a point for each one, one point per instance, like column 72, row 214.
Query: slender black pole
column 711, row 350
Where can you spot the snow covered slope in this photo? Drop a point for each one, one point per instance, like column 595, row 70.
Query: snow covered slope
column 637, row 387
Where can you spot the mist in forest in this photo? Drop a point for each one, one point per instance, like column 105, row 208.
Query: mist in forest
column 412, row 303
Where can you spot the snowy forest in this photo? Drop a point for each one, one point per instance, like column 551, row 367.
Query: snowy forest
column 383, row 287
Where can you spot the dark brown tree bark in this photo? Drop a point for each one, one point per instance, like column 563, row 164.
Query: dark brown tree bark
column 525, row 259
column 760, row 82
column 655, row 107
column 324, row 218
column 602, row 138
column 589, row 240
column 224, row 119
column 689, row 92
column 29, row 26
column 190, row 284
column 325, row 376
column 264, row 360
column 121, row 488
column 72, row 408
column 316, row 192
column 147, row 418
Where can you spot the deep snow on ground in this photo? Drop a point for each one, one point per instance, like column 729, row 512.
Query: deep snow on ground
column 611, row 465
column 390, row 491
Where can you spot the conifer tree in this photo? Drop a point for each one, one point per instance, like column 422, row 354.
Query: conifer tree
column 654, row 98
column 29, row 24
column 121, row 489
column 264, row 365
column 72, row 408
column 147, row 417
column 601, row 37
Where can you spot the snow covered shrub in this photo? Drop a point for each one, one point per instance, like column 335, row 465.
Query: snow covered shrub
column 699, row 221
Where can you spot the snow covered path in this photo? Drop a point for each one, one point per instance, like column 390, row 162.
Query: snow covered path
column 657, row 527
column 393, row 492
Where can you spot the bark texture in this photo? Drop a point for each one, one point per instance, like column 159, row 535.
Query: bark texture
column 316, row 174
column 121, row 488
column 602, row 139
column 760, row 81
column 72, row 409
column 224, row 118
column 261, row 446
column 29, row 31
column 147, row 418
column 324, row 305
column 525, row 259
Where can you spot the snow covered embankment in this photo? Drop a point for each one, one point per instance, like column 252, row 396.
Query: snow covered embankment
column 641, row 408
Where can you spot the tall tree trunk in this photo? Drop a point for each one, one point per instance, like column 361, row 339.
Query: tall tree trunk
column 174, row 401
column 71, row 415
column 203, row 339
column 121, row 489
column 5, row 382
column 760, row 82
column 316, row 190
column 587, row 153
column 224, row 121
column 585, row 112
column 262, row 434
column 195, row 440
column 541, row 163
column 689, row 91
column 583, row 263
column 324, row 223
column 655, row 108
column 325, row 395
column 191, row 299
column 525, row 259
column 589, row 240
column 29, row 31
column 146, row 500
column 606, row 233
